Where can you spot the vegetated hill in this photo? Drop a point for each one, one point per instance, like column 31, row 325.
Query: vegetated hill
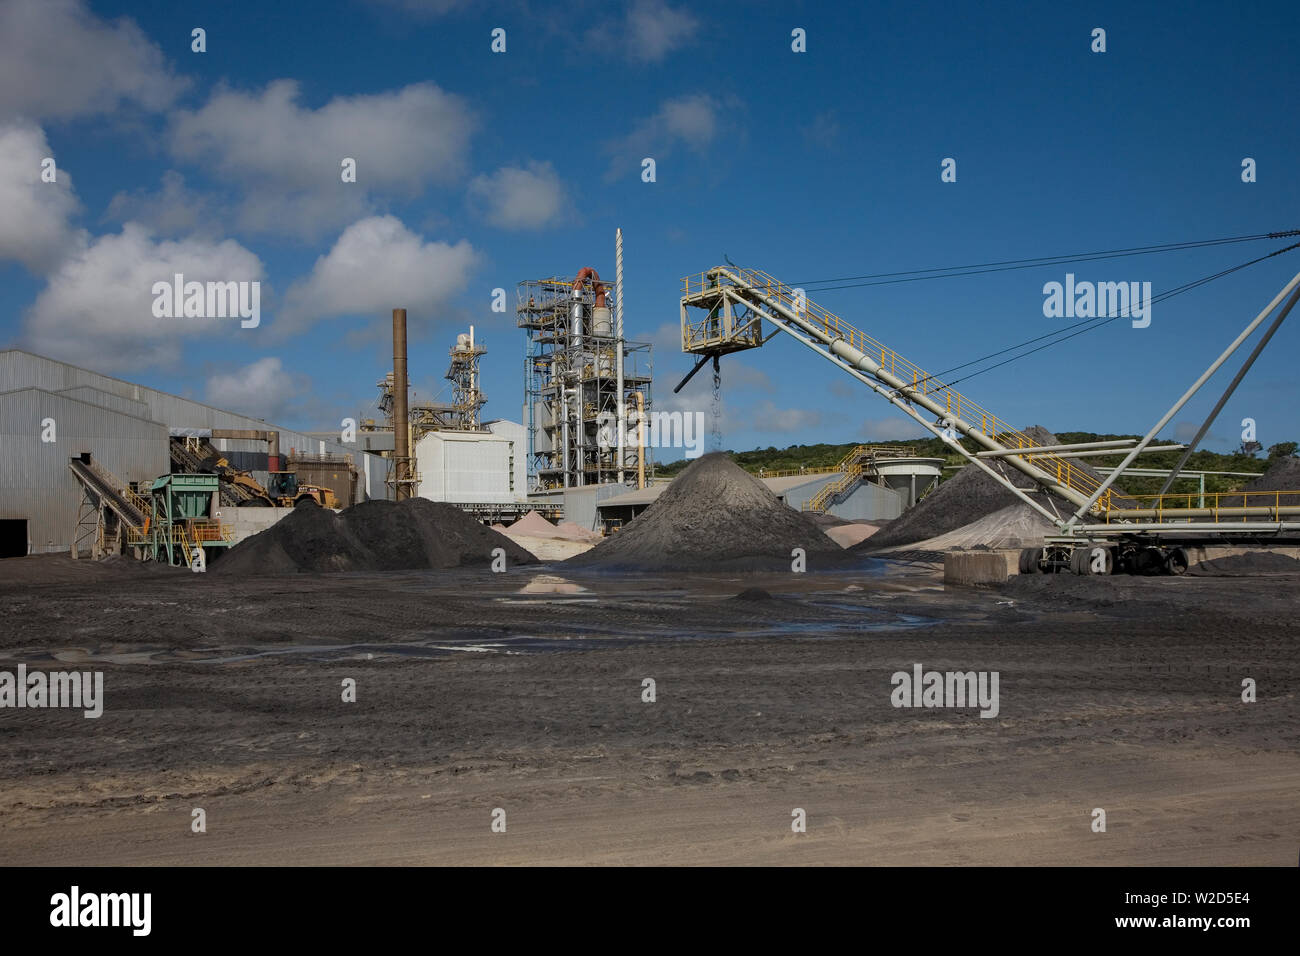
column 794, row 457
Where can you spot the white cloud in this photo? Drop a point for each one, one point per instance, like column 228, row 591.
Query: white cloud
column 58, row 61
column 1184, row 432
column 422, row 8
column 174, row 209
column 261, row 389
column 520, row 198
column 823, row 132
column 377, row 265
column 35, row 225
column 646, row 33
column 287, row 158
column 767, row 416
column 693, row 120
column 655, row 29
column 667, row 342
column 97, row 308
column 895, row 428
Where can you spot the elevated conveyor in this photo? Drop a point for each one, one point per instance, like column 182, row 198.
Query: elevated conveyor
column 735, row 302
column 108, row 492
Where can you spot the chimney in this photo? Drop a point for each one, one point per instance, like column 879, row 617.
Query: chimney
column 401, row 445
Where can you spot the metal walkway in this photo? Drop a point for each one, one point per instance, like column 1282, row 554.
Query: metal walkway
column 853, row 469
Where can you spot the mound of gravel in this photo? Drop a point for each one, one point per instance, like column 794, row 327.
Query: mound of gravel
column 1250, row 563
column 371, row 536
column 1282, row 475
column 966, row 497
column 713, row 516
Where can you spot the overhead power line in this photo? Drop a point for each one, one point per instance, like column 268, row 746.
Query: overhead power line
column 1008, row 265
column 1057, row 336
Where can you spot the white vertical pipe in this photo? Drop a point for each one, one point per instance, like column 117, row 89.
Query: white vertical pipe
column 618, row 346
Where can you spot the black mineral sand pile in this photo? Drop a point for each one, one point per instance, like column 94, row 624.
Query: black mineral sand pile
column 1282, row 475
column 372, row 536
column 965, row 497
column 713, row 516
column 1250, row 563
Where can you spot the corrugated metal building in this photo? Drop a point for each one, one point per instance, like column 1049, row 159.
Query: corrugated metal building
column 125, row 428
column 488, row 467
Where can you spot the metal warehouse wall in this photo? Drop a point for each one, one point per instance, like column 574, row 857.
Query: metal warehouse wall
column 104, row 399
column 35, row 482
column 19, row 369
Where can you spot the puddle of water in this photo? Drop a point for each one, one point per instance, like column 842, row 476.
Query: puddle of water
column 898, row 623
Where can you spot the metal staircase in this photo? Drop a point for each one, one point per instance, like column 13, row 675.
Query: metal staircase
column 853, row 469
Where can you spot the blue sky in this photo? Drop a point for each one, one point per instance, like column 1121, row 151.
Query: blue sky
column 477, row 170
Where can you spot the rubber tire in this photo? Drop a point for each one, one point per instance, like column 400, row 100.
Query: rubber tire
column 1029, row 558
column 1176, row 562
column 1149, row 560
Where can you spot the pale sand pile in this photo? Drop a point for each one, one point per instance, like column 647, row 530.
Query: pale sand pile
column 550, row 542
column 533, row 525
column 847, row 535
column 572, row 530
column 1010, row 528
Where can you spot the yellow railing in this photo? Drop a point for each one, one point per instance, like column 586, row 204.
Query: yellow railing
column 1175, row 506
column 199, row 532
column 796, row 471
column 953, row 402
column 202, row 531
column 141, row 503
column 852, row 465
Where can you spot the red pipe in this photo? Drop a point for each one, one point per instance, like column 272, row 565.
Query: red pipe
column 585, row 273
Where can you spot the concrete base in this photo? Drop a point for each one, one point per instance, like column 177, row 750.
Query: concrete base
column 974, row 568
column 247, row 522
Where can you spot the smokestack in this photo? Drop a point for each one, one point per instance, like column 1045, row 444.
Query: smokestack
column 273, row 451
column 401, row 445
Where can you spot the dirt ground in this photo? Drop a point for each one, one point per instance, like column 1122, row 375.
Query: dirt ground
column 523, row 691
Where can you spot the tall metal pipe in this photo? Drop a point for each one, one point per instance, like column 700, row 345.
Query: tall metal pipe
column 640, row 439
column 580, row 466
column 618, row 348
column 401, row 442
column 564, row 437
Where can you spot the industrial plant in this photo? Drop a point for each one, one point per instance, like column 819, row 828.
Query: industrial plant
column 125, row 469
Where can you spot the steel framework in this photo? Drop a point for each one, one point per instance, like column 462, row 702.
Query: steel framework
column 577, row 391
